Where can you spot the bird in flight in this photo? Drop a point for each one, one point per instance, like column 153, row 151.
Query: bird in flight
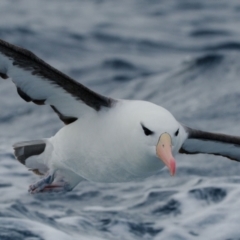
column 104, row 139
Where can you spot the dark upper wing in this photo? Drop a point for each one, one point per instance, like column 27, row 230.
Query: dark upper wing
column 211, row 143
column 40, row 83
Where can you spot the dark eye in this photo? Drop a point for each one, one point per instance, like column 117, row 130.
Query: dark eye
column 146, row 130
column 176, row 133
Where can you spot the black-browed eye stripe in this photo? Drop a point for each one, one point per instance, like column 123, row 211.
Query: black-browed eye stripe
column 146, row 130
column 176, row 133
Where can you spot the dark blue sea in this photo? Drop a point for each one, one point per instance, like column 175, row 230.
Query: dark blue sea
column 181, row 54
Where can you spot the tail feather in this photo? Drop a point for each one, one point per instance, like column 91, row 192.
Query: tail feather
column 24, row 151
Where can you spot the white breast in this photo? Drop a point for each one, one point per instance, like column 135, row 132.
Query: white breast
column 99, row 147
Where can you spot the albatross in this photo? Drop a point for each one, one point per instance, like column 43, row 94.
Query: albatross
column 104, row 139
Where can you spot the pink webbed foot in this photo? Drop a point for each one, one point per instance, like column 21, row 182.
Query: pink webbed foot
column 38, row 186
column 46, row 185
column 56, row 187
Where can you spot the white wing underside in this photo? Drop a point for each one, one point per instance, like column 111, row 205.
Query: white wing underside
column 40, row 83
column 39, row 89
column 211, row 143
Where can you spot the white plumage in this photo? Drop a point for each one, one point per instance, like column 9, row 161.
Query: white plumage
column 104, row 140
column 111, row 146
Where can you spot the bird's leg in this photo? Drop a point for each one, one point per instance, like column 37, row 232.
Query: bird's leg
column 56, row 187
column 40, row 185
column 57, row 180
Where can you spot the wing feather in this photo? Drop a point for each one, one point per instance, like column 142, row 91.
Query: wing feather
column 40, row 83
column 198, row 141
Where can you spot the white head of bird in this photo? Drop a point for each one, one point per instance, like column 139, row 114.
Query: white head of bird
column 152, row 137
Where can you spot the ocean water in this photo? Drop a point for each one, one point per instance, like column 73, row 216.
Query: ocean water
column 183, row 55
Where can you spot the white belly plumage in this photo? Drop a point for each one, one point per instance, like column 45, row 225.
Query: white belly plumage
column 105, row 139
column 96, row 156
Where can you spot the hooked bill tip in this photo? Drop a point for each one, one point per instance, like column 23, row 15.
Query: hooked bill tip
column 172, row 166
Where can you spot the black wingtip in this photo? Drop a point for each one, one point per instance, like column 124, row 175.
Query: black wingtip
column 24, row 150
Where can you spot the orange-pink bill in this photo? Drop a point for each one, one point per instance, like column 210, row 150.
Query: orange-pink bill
column 164, row 152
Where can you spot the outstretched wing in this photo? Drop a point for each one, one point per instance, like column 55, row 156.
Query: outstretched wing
column 40, row 83
column 211, row 143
